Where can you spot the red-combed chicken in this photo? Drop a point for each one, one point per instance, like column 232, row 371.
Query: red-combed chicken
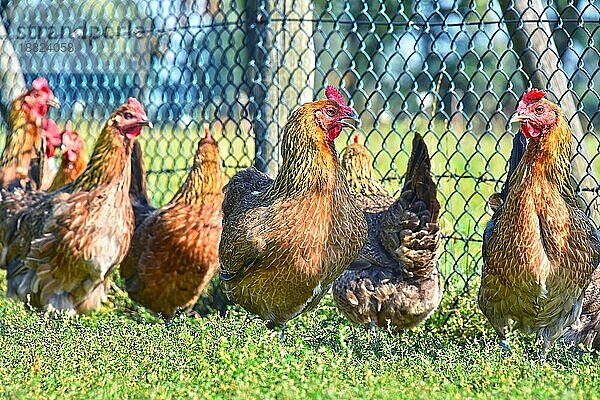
column 62, row 248
column 540, row 249
column 174, row 252
column 74, row 158
column 284, row 241
column 395, row 281
column 23, row 157
column 52, row 135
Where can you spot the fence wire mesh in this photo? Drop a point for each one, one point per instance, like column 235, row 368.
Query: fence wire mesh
column 451, row 70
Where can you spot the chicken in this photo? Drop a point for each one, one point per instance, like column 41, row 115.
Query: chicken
column 138, row 192
column 23, row 157
column 15, row 198
column 61, row 249
column 284, row 241
column 395, row 281
column 539, row 249
column 586, row 328
column 52, row 135
column 174, row 252
column 74, row 158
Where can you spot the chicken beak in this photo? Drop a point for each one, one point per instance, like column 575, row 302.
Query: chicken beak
column 147, row 123
column 53, row 102
column 517, row 118
column 351, row 120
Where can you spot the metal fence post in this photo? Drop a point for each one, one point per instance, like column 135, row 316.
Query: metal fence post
column 257, row 45
column 283, row 52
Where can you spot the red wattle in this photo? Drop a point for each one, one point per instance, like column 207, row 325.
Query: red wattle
column 133, row 132
column 529, row 131
column 334, row 132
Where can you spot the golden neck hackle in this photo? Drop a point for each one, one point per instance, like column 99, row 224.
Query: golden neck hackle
column 549, row 158
column 358, row 168
column 309, row 160
column 204, row 183
column 110, row 161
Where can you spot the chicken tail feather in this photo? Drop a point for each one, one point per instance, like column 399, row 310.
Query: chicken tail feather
column 518, row 150
column 138, row 191
column 409, row 228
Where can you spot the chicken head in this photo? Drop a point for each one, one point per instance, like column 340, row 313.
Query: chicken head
column 536, row 114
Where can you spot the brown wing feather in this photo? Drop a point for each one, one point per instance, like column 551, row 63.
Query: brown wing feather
column 63, row 249
column 173, row 256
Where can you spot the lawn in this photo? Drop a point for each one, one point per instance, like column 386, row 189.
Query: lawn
column 125, row 352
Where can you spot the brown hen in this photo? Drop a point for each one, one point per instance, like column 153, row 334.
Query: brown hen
column 540, row 249
column 395, row 281
column 61, row 250
column 284, row 241
column 22, row 160
column 174, row 252
column 74, row 158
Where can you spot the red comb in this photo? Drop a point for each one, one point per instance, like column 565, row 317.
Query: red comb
column 533, row 95
column 206, row 132
column 136, row 105
column 69, row 126
column 356, row 137
column 332, row 93
column 40, row 84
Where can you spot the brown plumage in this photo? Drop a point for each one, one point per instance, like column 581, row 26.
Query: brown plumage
column 22, row 160
column 138, row 192
column 284, row 241
column 395, row 281
column 540, row 249
column 61, row 249
column 174, row 252
column 74, row 158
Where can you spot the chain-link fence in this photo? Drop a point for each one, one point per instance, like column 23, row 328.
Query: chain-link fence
column 451, row 70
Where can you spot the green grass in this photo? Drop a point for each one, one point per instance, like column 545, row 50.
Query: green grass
column 125, row 352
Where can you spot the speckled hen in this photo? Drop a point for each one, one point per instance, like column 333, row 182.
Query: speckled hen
column 540, row 249
column 174, row 251
column 395, row 281
column 61, row 249
column 284, row 241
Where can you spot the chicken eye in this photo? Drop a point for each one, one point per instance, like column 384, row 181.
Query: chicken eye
column 128, row 115
column 330, row 112
column 539, row 109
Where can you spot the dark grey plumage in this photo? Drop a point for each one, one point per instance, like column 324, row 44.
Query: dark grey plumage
column 395, row 281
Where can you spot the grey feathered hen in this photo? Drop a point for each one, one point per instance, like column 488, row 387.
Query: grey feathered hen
column 395, row 281
column 585, row 330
